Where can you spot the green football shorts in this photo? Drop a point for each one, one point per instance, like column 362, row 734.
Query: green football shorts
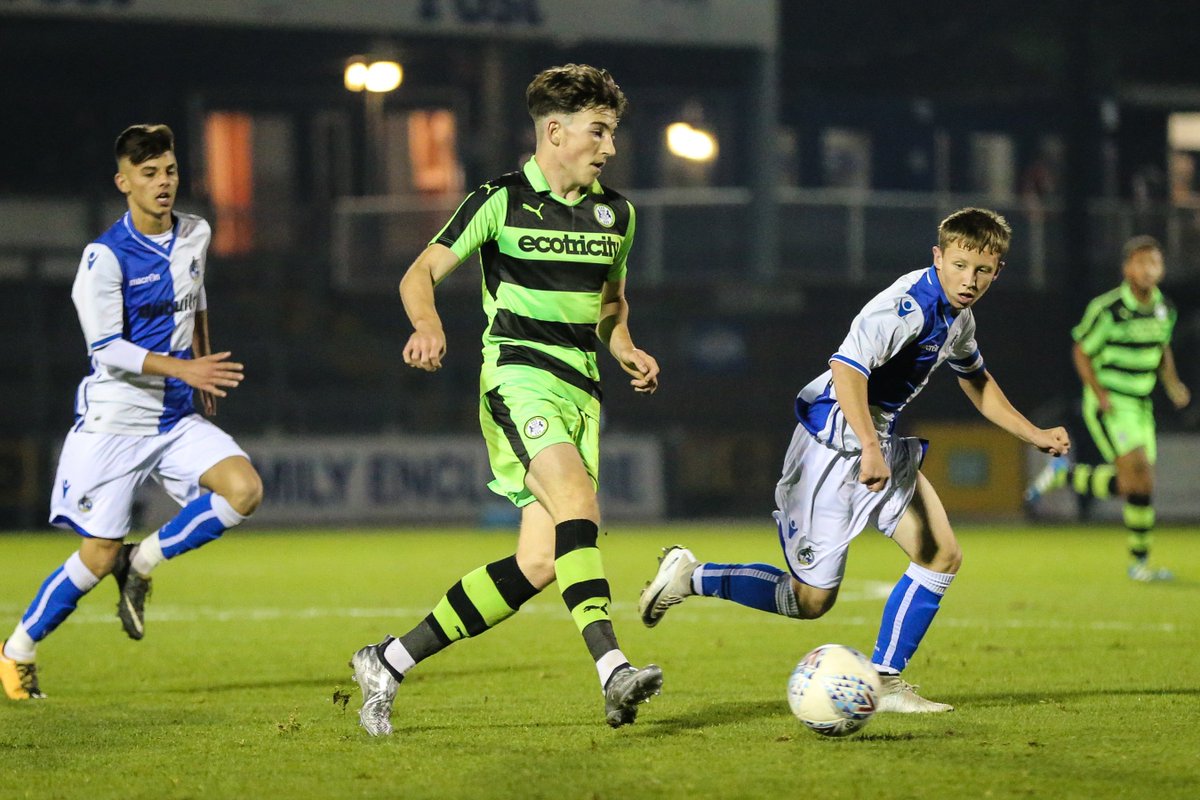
column 523, row 416
column 1126, row 426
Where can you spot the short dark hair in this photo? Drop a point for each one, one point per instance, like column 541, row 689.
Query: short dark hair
column 1138, row 244
column 141, row 143
column 978, row 229
column 571, row 88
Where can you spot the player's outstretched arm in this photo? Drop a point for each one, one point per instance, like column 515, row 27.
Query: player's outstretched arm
column 613, row 330
column 992, row 403
column 1177, row 392
column 202, row 346
column 212, row 373
column 1087, row 375
column 427, row 344
column 851, row 388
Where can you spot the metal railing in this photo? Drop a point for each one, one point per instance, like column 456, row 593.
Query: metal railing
column 848, row 237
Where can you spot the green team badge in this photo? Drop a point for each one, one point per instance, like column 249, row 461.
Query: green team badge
column 604, row 215
column 536, row 427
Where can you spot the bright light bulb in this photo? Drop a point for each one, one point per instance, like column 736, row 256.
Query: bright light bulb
column 383, row 76
column 691, row 143
column 355, row 76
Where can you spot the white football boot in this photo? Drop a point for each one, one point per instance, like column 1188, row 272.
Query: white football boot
column 900, row 697
column 671, row 584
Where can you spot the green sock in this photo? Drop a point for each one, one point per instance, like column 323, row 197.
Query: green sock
column 483, row 599
column 1139, row 519
column 580, row 572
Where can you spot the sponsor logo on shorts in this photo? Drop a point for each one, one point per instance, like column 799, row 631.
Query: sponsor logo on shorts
column 536, row 427
column 85, row 504
column 604, row 215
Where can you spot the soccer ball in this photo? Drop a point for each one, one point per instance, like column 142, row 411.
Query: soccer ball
column 834, row 690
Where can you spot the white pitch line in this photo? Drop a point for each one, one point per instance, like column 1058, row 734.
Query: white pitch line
column 696, row 613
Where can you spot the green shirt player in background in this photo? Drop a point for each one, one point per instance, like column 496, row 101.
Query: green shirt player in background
column 1122, row 348
column 552, row 244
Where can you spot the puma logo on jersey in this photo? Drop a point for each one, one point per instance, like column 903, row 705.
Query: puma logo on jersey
column 488, row 188
column 533, row 210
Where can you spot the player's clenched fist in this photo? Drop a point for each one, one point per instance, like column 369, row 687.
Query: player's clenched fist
column 425, row 349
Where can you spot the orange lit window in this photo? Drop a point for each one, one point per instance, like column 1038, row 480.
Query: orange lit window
column 228, row 140
column 435, row 167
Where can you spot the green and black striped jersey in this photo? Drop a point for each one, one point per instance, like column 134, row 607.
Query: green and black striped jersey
column 1125, row 340
column 545, row 261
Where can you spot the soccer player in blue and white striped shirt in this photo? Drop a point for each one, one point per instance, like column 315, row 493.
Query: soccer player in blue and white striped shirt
column 139, row 294
column 846, row 469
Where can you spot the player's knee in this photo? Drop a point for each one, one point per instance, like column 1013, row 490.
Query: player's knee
column 538, row 570
column 1141, row 479
column 947, row 559
column 812, row 603
column 245, row 492
column 99, row 555
column 950, row 560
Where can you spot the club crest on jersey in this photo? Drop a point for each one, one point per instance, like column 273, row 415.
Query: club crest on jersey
column 194, row 269
column 604, row 215
column 906, row 307
column 85, row 504
column 536, row 427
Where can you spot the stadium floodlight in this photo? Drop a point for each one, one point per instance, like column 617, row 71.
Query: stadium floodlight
column 355, row 76
column 691, row 143
column 384, row 76
column 375, row 76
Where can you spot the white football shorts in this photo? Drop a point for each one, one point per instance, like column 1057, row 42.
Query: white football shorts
column 98, row 473
column 822, row 506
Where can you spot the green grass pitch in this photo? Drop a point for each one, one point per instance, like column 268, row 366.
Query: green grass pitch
column 1069, row 680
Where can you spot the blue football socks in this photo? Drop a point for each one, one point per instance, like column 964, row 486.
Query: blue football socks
column 57, row 597
column 907, row 615
column 760, row 586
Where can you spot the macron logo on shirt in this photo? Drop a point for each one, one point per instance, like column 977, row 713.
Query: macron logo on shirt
column 150, row 278
column 906, row 307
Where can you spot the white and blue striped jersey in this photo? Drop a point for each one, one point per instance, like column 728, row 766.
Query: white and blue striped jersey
column 130, row 286
column 901, row 336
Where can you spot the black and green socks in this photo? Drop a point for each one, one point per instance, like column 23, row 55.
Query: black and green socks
column 1139, row 519
column 483, row 599
column 1098, row 481
column 585, row 590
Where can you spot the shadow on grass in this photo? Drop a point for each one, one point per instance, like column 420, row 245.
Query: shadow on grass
column 327, row 682
column 1032, row 699
column 738, row 713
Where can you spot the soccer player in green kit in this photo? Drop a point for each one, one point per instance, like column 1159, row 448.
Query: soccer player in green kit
column 1122, row 348
column 552, row 244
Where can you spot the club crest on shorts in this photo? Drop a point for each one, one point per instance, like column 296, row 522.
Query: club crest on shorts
column 604, row 215
column 805, row 554
column 535, row 427
column 85, row 504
